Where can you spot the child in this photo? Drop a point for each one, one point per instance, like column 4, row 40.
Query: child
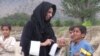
column 65, row 50
column 79, row 46
column 7, row 43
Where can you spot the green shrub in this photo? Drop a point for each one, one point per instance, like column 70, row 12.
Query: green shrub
column 56, row 22
column 97, row 22
column 68, row 23
column 64, row 22
column 87, row 23
column 17, row 19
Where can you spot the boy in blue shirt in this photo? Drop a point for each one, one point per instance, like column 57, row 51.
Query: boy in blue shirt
column 77, row 42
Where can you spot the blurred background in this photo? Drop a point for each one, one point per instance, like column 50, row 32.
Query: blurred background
column 69, row 12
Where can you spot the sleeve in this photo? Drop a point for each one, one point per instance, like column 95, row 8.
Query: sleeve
column 52, row 36
column 90, row 48
column 51, row 33
column 1, row 49
column 11, row 46
column 30, row 32
column 26, row 38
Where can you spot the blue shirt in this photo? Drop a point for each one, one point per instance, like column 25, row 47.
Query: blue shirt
column 75, row 48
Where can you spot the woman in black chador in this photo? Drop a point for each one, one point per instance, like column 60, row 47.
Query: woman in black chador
column 38, row 28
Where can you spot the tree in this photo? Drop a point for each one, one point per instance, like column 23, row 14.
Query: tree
column 82, row 9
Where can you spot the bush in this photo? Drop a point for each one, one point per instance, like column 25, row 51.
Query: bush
column 97, row 22
column 56, row 22
column 68, row 23
column 17, row 19
column 87, row 23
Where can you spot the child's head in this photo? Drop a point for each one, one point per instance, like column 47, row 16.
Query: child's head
column 78, row 32
column 71, row 29
column 6, row 28
column 71, row 32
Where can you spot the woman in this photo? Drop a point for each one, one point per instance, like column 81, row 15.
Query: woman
column 39, row 29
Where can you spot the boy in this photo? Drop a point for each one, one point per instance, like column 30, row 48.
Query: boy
column 79, row 46
column 7, row 43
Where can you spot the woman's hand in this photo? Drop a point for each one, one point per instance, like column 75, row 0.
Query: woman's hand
column 47, row 42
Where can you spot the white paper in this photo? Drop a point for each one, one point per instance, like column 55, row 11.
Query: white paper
column 53, row 49
column 34, row 48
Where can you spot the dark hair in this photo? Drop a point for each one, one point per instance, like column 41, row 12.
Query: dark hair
column 71, row 28
column 6, row 24
column 81, row 28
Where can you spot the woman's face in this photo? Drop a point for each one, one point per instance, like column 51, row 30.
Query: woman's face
column 5, row 31
column 49, row 14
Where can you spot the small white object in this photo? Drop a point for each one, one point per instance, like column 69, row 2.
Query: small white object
column 34, row 48
column 53, row 49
